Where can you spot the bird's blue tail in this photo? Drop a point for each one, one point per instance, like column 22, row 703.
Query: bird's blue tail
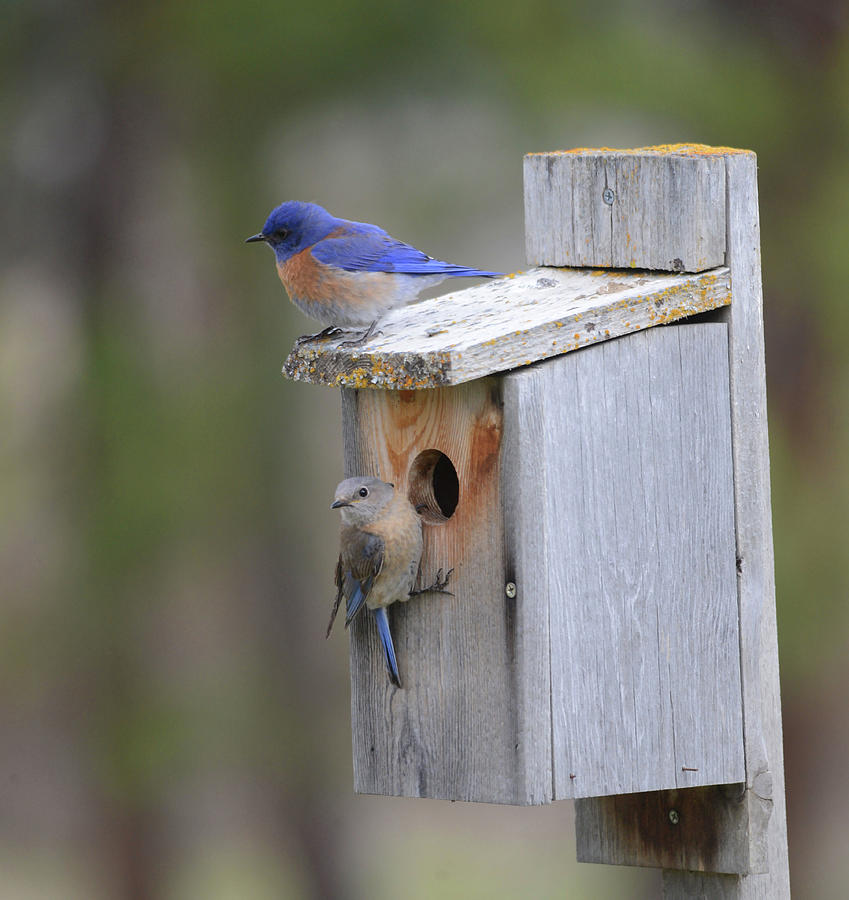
column 386, row 640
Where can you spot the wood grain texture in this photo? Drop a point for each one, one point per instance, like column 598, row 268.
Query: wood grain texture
column 679, row 885
column 652, row 208
column 695, row 829
column 524, row 486
column 505, row 324
column 759, row 818
column 459, row 728
column 634, row 547
column 766, row 813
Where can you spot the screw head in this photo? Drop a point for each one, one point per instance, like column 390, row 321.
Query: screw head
column 608, row 196
column 510, row 590
column 674, row 818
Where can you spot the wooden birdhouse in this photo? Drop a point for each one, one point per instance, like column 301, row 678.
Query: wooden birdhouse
column 588, row 441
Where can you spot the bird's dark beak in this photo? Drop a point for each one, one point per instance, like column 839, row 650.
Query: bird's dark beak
column 337, row 503
column 255, row 237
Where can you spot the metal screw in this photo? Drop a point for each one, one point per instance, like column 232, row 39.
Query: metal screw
column 608, row 196
column 510, row 590
column 673, row 816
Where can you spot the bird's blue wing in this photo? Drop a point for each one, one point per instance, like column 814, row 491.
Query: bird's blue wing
column 355, row 594
column 357, row 247
column 359, row 564
column 386, row 641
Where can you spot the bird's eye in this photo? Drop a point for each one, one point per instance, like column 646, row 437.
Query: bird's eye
column 281, row 234
column 363, row 492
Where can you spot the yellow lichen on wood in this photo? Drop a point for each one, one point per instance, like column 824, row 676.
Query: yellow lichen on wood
column 682, row 149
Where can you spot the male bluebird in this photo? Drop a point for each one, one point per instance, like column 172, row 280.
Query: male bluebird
column 380, row 550
column 348, row 273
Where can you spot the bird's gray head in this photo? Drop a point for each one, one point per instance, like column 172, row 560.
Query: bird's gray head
column 294, row 226
column 361, row 498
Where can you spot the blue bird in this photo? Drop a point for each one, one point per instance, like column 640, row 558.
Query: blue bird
column 348, row 274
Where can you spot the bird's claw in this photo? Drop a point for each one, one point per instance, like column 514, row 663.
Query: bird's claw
column 439, row 585
column 329, row 332
column 442, row 580
column 365, row 336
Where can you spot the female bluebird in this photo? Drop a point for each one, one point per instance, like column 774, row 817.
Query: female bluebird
column 348, row 273
column 380, row 550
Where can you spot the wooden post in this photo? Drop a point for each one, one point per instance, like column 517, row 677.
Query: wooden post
column 658, row 216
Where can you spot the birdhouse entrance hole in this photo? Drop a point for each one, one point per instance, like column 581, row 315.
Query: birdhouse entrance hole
column 434, row 487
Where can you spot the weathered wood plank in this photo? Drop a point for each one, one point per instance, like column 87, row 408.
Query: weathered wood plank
column 700, row 886
column 694, row 829
column 760, row 817
column 636, row 526
column 650, row 208
column 506, row 324
column 765, row 807
column 457, row 729
column 524, row 485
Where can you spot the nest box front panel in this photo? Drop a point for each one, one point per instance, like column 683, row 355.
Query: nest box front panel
column 453, row 730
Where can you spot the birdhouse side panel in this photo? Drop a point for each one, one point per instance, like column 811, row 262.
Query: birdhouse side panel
column 638, row 528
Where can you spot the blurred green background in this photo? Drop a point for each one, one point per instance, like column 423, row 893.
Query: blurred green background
column 172, row 723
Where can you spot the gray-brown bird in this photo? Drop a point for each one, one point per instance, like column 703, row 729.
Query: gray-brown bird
column 379, row 554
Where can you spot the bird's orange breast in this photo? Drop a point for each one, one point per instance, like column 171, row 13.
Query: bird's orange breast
column 302, row 276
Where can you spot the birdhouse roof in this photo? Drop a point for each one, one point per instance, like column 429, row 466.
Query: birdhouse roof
column 507, row 323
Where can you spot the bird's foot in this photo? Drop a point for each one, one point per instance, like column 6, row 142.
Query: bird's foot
column 330, row 331
column 438, row 587
column 368, row 333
